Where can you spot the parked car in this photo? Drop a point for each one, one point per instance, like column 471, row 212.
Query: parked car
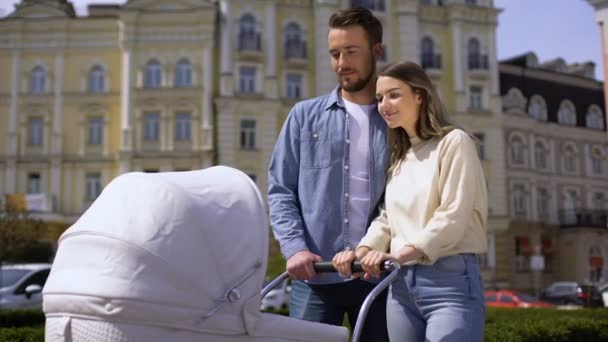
column 21, row 285
column 603, row 289
column 277, row 298
column 513, row 299
column 569, row 292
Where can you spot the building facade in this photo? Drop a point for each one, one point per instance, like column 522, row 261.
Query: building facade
column 557, row 173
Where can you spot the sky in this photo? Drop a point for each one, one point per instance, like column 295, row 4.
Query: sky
column 549, row 28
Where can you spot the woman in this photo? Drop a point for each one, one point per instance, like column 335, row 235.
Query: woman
column 434, row 218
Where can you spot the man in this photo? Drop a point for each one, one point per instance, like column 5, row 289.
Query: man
column 327, row 177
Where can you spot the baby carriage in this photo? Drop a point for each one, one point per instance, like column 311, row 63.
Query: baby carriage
column 176, row 256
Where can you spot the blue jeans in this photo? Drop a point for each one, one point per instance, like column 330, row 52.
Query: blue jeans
column 441, row 302
column 328, row 304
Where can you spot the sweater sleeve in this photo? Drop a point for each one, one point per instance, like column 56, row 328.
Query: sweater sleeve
column 460, row 176
column 378, row 236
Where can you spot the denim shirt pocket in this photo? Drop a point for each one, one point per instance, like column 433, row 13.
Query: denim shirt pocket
column 315, row 149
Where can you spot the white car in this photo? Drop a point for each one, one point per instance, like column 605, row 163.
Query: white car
column 21, row 285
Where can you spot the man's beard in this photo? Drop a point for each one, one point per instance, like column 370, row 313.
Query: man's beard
column 360, row 84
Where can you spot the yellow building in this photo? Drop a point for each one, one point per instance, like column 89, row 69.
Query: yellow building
column 126, row 88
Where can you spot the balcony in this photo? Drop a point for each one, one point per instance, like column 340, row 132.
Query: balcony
column 587, row 218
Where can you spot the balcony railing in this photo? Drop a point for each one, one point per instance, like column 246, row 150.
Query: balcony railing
column 572, row 218
column 431, row 61
column 295, row 49
column 477, row 62
column 249, row 41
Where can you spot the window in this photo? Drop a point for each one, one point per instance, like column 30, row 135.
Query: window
column 97, row 80
column 36, row 130
column 38, row 80
column 295, row 47
column 470, row 2
column 537, row 108
column 249, row 39
column 599, row 200
column 428, row 57
column 519, row 200
column 247, row 80
column 372, row 5
column 183, row 126
column 475, row 59
column 93, row 186
column 597, row 167
column 566, row 114
column 476, row 97
column 594, row 118
column 248, row 128
column 183, row 73
column 523, row 251
column 33, row 183
column 540, row 156
column 517, row 150
column 294, row 86
column 542, row 203
column 151, row 126
column 95, row 131
column 152, row 78
column 481, row 148
column 569, row 159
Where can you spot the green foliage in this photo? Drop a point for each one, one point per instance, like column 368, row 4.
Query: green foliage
column 25, row 334
column 276, row 263
column 19, row 238
column 20, row 318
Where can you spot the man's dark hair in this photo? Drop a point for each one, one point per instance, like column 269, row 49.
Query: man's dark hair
column 358, row 16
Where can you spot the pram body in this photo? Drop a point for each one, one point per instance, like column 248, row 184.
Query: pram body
column 175, row 256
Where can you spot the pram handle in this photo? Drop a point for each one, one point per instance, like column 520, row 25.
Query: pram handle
column 328, row 267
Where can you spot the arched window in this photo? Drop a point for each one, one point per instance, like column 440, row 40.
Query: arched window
column 537, row 108
column 97, row 79
column 38, row 80
column 594, row 118
column 518, row 150
column 566, row 114
column 429, row 58
column 569, row 158
column 475, row 58
column 295, row 47
column 183, row 73
column 153, row 74
column 597, row 162
column 249, row 38
column 540, row 155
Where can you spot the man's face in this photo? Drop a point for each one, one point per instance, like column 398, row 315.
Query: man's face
column 352, row 58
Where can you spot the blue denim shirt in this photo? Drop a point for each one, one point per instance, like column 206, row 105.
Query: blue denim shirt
column 308, row 178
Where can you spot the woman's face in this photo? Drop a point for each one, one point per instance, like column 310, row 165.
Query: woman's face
column 398, row 104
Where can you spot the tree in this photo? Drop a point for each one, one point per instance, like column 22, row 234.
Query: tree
column 20, row 238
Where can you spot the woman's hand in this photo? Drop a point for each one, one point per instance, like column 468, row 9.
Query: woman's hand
column 371, row 263
column 343, row 261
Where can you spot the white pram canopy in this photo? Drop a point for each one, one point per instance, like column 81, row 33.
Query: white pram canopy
column 172, row 254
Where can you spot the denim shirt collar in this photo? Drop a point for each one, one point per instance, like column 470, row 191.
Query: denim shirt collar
column 335, row 99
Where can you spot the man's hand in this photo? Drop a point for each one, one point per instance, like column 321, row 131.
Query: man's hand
column 299, row 265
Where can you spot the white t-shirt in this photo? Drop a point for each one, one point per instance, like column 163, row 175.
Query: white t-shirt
column 358, row 179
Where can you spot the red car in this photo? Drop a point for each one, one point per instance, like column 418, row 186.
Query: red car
column 513, row 299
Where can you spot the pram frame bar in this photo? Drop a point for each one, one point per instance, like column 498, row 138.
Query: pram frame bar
column 388, row 265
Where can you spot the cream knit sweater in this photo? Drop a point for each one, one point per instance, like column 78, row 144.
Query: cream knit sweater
column 436, row 201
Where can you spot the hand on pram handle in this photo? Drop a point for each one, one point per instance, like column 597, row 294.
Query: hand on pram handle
column 328, row 267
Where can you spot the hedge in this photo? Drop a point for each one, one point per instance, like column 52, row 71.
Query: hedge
column 502, row 325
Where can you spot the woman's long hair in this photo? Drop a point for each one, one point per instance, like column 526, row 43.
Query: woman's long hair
column 431, row 123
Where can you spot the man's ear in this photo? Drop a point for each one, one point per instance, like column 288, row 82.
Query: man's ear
column 377, row 50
